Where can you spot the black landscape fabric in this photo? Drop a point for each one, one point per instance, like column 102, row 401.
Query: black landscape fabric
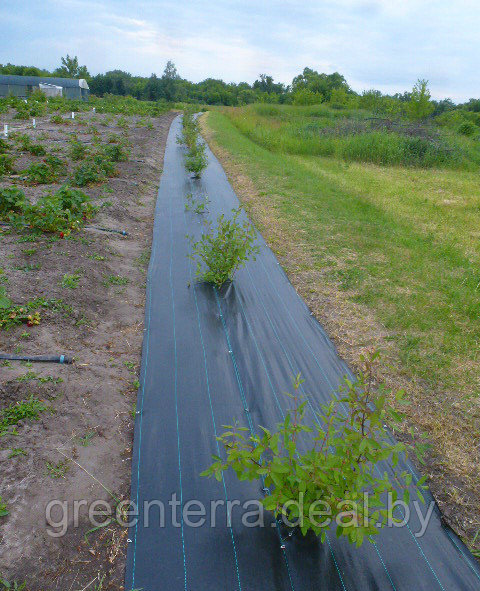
column 211, row 357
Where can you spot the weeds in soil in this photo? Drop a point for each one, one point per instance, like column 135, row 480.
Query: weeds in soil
column 57, row 470
column 3, row 512
column 12, row 586
column 87, row 438
column 71, row 281
column 96, row 257
column 115, row 280
column 17, row 451
column 223, row 249
column 199, row 206
column 25, row 410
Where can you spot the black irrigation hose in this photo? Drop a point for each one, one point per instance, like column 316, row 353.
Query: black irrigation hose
column 44, row 358
column 122, row 232
column 113, row 230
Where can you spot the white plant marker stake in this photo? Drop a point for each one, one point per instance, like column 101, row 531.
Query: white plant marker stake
column 94, row 110
column 34, row 123
column 73, row 115
column 5, row 130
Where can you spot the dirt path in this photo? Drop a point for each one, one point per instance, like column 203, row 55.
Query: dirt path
column 80, row 446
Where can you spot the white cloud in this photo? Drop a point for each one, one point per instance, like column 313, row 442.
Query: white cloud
column 374, row 43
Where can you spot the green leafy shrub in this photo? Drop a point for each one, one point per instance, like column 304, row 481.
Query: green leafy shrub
column 468, row 128
column 22, row 112
column 196, row 160
column 37, row 150
column 26, row 145
column 347, row 443
column 104, row 164
column 221, row 251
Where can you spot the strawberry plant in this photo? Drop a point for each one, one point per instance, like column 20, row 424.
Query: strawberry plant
column 57, row 119
column 3, row 146
column 77, row 150
column 221, row 251
column 26, row 145
column 326, row 484
column 39, row 174
column 115, row 153
column 6, row 164
column 88, row 173
column 63, row 211
column 12, row 199
column 13, row 315
column 55, row 163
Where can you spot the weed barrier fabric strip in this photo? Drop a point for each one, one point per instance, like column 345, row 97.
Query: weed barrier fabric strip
column 210, row 357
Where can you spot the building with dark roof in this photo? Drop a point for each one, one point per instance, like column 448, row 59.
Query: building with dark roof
column 23, row 86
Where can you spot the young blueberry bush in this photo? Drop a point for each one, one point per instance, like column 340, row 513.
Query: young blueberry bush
column 196, row 160
column 223, row 249
column 345, row 447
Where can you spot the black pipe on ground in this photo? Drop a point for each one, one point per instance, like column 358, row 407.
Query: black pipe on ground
column 40, row 358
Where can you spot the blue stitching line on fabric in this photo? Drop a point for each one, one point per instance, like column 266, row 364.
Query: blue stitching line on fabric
column 247, row 412
column 211, row 409
column 176, row 395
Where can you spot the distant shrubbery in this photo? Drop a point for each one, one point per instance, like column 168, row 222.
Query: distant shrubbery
column 356, row 134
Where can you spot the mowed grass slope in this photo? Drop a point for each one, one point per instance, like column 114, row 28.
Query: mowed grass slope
column 397, row 248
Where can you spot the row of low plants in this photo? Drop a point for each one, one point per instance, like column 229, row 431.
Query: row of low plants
column 359, row 136
column 38, row 105
column 305, row 466
column 62, row 211
column 196, row 158
column 98, row 161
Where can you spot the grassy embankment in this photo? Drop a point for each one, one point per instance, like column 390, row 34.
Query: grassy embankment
column 379, row 230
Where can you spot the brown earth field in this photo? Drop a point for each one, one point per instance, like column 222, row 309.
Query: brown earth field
column 78, row 447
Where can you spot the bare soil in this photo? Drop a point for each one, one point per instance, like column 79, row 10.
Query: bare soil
column 80, row 448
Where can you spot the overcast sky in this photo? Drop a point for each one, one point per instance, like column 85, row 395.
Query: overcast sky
column 383, row 44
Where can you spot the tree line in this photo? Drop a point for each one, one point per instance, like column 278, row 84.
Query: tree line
column 308, row 88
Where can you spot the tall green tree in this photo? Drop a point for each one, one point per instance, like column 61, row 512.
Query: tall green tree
column 420, row 106
column 71, row 69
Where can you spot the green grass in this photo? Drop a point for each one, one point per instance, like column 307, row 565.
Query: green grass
column 403, row 242
column 355, row 135
column 395, row 253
